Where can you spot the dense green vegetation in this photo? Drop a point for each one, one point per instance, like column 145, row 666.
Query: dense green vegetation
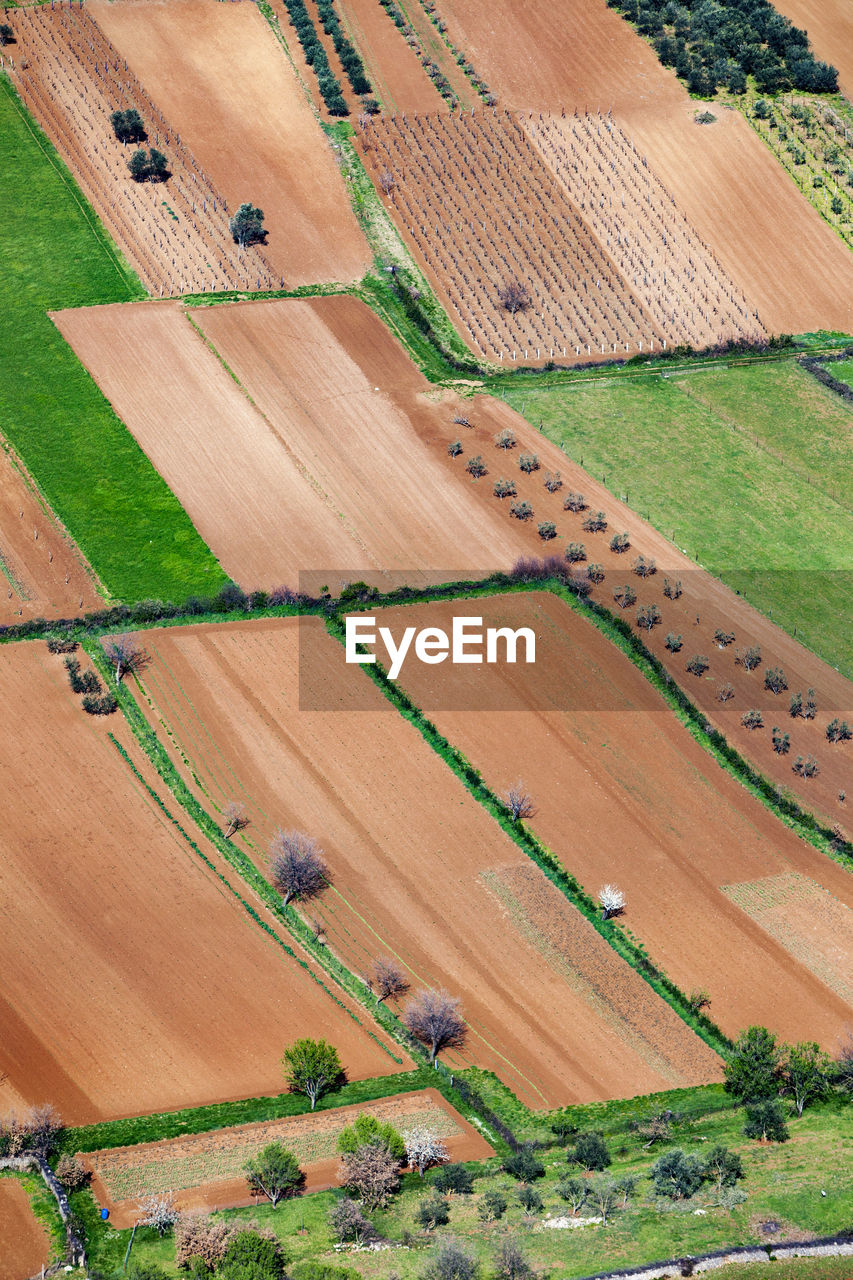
column 344, row 48
column 315, row 54
column 742, row 467
column 782, row 1186
column 719, row 43
column 126, row 521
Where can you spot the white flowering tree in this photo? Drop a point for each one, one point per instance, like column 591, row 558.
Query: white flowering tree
column 611, row 900
column 424, row 1148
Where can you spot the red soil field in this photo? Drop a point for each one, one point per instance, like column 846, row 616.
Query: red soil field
column 175, row 235
column 830, row 27
column 24, row 1242
column 221, row 79
column 393, row 67
column 600, row 279
column 583, row 56
column 410, row 852
column 338, row 414
column 44, row 574
column 625, row 795
column 192, row 1166
column 133, row 980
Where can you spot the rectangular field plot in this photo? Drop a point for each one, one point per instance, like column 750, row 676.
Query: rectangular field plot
column 133, row 980
column 207, row 1168
column 407, row 847
column 807, row 921
column 624, row 795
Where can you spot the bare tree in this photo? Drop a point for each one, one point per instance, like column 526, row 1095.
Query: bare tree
column 424, row 1148
column 372, row 1172
column 236, row 818
column 387, row 978
column 520, row 802
column 125, row 653
column 510, row 1262
column 611, row 900
column 433, row 1017
column 297, row 866
column 451, row 1261
column 349, row 1223
column 603, row 1192
column 387, row 182
column 43, row 1125
column 514, row 296
column 158, row 1211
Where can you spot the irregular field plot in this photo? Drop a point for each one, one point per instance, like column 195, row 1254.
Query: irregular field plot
column 816, row 928
column 624, row 795
column 341, row 434
column 42, row 571
column 175, row 234
column 133, row 981
column 207, row 1168
column 581, row 56
column 407, row 846
column 221, row 79
column 393, row 67
column 24, row 1242
column 544, row 217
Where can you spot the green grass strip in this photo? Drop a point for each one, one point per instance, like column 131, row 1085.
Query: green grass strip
column 126, row 521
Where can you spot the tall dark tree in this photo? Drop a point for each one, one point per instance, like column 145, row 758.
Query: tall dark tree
column 247, row 226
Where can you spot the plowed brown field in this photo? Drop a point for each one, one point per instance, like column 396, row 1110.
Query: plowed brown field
column 338, row 461
column 133, row 980
column 393, row 67
column 216, row 72
column 44, row 574
column 625, row 795
column 408, row 848
column 24, row 1242
column 205, row 1170
column 830, row 27
column 583, row 56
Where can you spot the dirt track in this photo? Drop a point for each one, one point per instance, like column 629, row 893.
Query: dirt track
column 167, row 995
column 44, row 574
column 408, row 848
column 219, row 76
column 24, row 1242
column 581, row 56
column 625, row 795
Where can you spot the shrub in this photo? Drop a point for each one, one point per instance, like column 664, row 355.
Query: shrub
column 672, row 590
column 529, row 1198
column 749, row 658
column 366, row 1128
column 595, row 573
column 505, row 488
column 806, row 767
column 676, row 1175
column 838, row 731
column 94, row 705
column 725, row 693
column 432, row 1211
column 752, row 719
column 765, row 1121
column 547, row 530
column 644, row 568
column 774, row 679
column 451, row 1261
column 521, row 510
column 72, row 1172
column 648, row 617
column 455, row 448
column 505, row 439
column 722, row 1167
column 781, row 741
column 573, row 1191
column 476, row 467
column 673, row 642
column 492, row 1206
column 348, row 1222
column 553, row 481
column 590, row 1151
column 574, row 502
column 619, row 543
column 575, row 552
column 725, row 638
column 524, row 1165
column 529, row 462
column 453, row 1178
column 596, row 523
column 625, row 596
column 698, row 665
column 253, row 1254
column 61, row 646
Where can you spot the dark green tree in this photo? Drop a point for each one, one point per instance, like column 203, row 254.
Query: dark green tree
column 677, row 1175
column 590, row 1151
column 274, row 1173
column 754, row 1066
column 247, row 226
column 765, row 1121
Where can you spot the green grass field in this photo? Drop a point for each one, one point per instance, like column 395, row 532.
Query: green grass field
column 746, row 468
column 126, row 521
column 783, row 1184
column 842, row 370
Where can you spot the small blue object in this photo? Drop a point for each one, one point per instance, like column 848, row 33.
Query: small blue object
column 105, row 1213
